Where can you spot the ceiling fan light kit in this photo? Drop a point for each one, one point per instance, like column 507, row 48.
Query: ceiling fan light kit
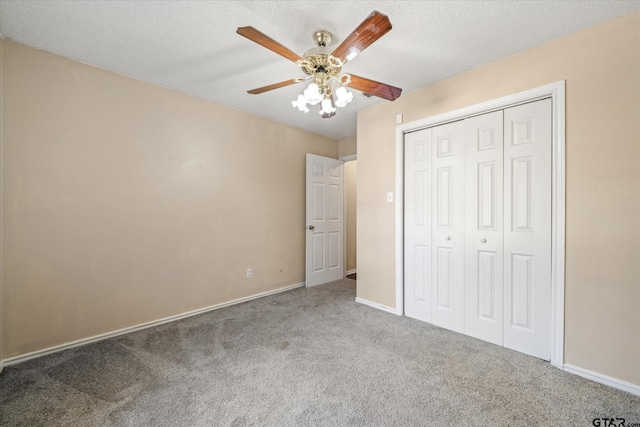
column 329, row 84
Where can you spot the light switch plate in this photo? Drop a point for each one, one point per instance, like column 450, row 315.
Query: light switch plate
column 390, row 197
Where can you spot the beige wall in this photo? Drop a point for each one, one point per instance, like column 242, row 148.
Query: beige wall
column 351, row 175
column 601, row 67
column 347, row 146
column 125, row 202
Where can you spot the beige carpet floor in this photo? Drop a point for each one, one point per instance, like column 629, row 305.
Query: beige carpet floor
column 304, row 357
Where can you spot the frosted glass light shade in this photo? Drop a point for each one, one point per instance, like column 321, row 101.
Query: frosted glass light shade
column 300, row 103
column 344, row 97
column 327, row 108
column 312, row 94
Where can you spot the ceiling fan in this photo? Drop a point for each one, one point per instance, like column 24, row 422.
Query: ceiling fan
column 325, row 66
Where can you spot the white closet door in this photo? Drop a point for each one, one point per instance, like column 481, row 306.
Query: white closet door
column 484, row 227
column 417, row 225
column 447, row 262
column 527, row 216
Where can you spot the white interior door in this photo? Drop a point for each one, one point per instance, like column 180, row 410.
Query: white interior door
column 484, row 227
column 417, row 225
column 447, row 261
column 477, row 227
column 325, row 220
column 527, row 240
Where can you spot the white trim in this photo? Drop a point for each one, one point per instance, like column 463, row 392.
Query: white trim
column 376, row 305
column 558, row 218
column 604, row 379
column 348, row 158
column 2, row 362
column 400, row 220
column 351, row 272
column 557, row 93
column 84, row 341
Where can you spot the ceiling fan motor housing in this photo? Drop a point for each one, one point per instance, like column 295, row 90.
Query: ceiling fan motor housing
column 319, row 63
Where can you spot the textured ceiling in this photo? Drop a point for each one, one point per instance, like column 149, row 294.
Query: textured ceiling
column 191, row 46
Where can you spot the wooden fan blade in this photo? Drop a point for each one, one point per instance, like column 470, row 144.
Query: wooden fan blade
column 371, row 29
column 275, row 86
column 374, row 88
column 266, row 41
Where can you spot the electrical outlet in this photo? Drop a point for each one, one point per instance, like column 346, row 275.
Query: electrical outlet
column 249, row 273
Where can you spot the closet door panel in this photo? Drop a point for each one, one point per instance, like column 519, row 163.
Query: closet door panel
column 527, row 216
column 417, row 225
column 484, row 227
column 448, row 226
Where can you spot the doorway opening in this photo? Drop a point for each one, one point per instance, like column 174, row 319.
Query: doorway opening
column 351, row 197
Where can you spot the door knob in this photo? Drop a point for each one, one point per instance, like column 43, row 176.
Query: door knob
column 311, row 227
column 447, row 238
column 483, row 240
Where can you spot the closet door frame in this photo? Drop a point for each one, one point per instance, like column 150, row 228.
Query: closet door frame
column 556, row 91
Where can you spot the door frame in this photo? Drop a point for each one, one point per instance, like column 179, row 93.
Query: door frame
column 558, row 176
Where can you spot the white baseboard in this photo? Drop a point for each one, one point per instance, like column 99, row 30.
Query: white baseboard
column 376, row 305
column 603, row 379
column 84, row 341
column 350, row 272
